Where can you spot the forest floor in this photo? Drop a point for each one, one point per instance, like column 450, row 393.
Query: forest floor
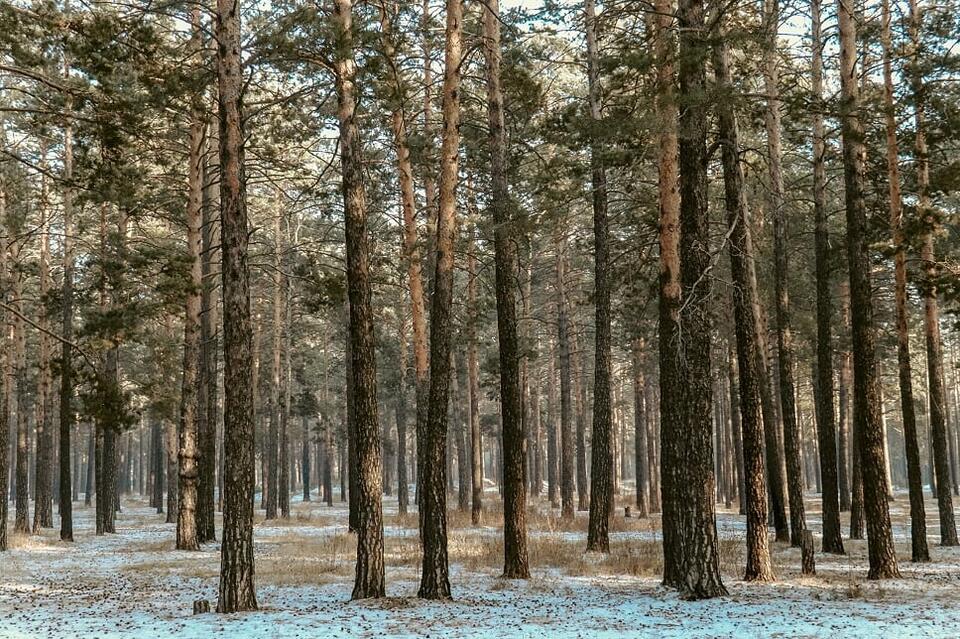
column 135, row 584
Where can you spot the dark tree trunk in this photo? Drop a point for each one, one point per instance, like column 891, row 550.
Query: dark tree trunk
column 844, row 472
column 601, row 485
column 691, row 550
column 236, row 591
column 434, row 579
column 931, row 313
column 366, row 465
column 758, row 549
column 567, row 443
column 868, row 431
column 580, row 392
column 515, row 564
column 642, row 479
column 553, row 433
column 918, row 524
column 826, row 431
column 21, row 522
column 6, row 369
column 306, row 468
column 66, row 352
column 788, row 411
column 736, row 423
column 473, row 387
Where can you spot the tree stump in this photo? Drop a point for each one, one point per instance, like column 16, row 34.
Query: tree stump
column 626, row 512
column 201, row 606
column 808, row 565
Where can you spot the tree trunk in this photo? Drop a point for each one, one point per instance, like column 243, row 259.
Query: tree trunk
column 931, row 312
column 43, row 497
column 6, row 368
column 736, row 425
column 21, row 472
column 66, row 352
column 567, row 443
column 758, row 566
column 410, row 246
column 434, row 580
column 473, row 385
column 272, row 441
column 791, row 431
column 826, row 431
column 189, row 406
column 601, row 486
column 400, row 406
column 236, row 591
column 365, row 424
column 918, row 524
column 209, row 341
column 868, row 431
column 580, row 408
column 691, row 551
column 515, row 565
column 641, row 477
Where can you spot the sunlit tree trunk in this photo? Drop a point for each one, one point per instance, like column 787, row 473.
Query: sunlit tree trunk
column 868, row 431
column 369, row 475
column 236, row 591
column 189, row 452
column 918, row 524
column 758, row 566
column 434, row 578
column 690, row 544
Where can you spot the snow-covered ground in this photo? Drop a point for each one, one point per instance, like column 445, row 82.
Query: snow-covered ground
column 134, row 584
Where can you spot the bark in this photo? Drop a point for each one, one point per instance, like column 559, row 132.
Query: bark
column 567, row 443
column 272, row 440
column 66, row 351
column 43, row 495
column 868, row 431
column 189, row 452
column 918, row 524
column 826, row 430
column 473, row 386
column 22, row 450
column 236, row 592
column 6, row 368
column 515, row 565
column 791, row 431
column 370, row 568
column 208, row 397
column 931, row 311
column 410, row 245
column 460, row 411
column 736, row 425
column 691, row 550
column 285, row 462
column 400, row 407
column 641, row 477
column 601, row 486
column 170, row 461
column 758, row 566
column 580, row 392
column 844, row 471
column 434, row 579
column 553, row 436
